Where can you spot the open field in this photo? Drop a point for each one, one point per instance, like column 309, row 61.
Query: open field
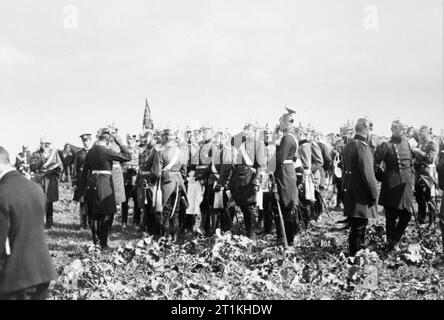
column 234, row 267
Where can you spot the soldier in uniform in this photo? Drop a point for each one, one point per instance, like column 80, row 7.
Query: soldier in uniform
column 246, row 173
column 326, row 159
column 99, row 195
column 360, row 192
column 22, row 161
column 168, row 167
column 117, row 172
column 267, row 211
column 78, row 182
column 397, row 183
column 285, row 175
column 46, row 166
column 305, row 179
column 347, row 133
column 190, row 148
column 130, row 170
column 206, row 175
column 223, row 160
column 317, row 162
column 146, row 180
column 425, row 156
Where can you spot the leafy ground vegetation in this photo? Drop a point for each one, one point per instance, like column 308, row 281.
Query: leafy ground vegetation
column 234, row 267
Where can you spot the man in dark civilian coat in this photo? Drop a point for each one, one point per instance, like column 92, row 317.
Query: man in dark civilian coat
column 397, row 182
column 360, row 192
column 25, row 265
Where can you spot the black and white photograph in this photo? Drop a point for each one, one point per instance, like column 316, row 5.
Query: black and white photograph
column 223, row 155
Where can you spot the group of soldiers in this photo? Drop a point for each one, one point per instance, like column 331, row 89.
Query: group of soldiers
column 199, row 180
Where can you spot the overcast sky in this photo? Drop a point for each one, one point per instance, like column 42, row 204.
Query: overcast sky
column 216, row 61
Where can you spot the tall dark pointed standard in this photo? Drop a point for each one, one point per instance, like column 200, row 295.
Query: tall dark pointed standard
column 147, row 120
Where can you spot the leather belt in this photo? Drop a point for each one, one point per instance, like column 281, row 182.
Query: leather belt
column 101, row 172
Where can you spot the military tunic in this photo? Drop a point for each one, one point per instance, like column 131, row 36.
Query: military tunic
column 47, row 167
column 22, row 162
column 398, row 176
column 285, row 170
column 99, row 196
column 423, row 160
column 77, row 176
column 117, row 172
column 170, row 179
column 244, row 182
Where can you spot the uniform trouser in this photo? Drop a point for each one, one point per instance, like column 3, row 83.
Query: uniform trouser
column 130, row 192
column 49, row 213
column 100, row 227
column 339, row 195
column 356, row 236
column 226, row 219
column 37, row 292
column 206, row 208
column 268, row 212
column 167, row 222
column 147, row 211
column 186, row 221
column 423, row 196
column 83, row 215
column 396, row 222
column 249, row 211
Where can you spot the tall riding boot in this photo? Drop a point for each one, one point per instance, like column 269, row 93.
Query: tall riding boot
column 248, row 212
column 289, row 225
column 94, row 230
column 49, row 214
column 125, row 214
column 103, row 236
column 82, row 216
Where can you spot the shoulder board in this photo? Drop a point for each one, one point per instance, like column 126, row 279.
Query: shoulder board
column 363, row 142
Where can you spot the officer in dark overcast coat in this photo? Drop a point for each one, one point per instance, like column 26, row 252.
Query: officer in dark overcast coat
column 360, row 192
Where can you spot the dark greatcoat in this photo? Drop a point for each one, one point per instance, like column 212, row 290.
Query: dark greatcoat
column 285, row 174
column 359, row 182
column 22, row 211
column 99, row 194
column 398, row 175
